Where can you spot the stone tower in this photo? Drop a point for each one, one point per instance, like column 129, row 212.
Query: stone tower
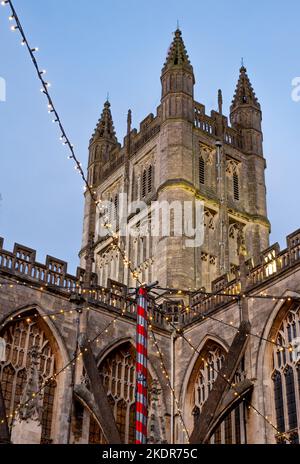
column 181, row 155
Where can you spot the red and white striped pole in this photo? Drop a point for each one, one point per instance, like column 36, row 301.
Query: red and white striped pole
column 141, row 367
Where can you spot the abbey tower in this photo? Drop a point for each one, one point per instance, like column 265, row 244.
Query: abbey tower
column 182, row 154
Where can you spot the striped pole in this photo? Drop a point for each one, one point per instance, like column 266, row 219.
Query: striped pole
column 141, row 368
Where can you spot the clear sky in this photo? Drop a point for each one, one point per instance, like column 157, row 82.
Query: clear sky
column 92, row 47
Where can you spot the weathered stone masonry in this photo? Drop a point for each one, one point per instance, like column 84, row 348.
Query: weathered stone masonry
column 43, row 309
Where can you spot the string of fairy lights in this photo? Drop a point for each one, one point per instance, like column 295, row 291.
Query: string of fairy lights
column 201, row 316
column 168, row 380
column 164, row 370
column 231, row 384
column 204, row 316
column 17, row 26
column 64, row 138
column 163, row 366
column 53, row 378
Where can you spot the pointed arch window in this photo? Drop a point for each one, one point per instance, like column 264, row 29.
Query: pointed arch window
column 118, row 374
column 232, row 429
column 20, row 337
column 236, row 186
column 291, row 398
column 286, row 377
column 201, row 171
column 278, row 401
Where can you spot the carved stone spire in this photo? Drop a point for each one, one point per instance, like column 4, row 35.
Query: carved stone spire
column 105, row 126
column 246, row 115
column 177, row 55
column 244, row 93
column 220, row 101
column 177, row 79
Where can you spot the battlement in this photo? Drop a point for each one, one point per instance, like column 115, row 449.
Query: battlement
column 208, row 124
column 21, row 262
column 53, row 274
column 273, row 263
column 149, row 127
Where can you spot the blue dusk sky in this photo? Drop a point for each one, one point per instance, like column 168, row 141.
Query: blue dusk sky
column 92, row 47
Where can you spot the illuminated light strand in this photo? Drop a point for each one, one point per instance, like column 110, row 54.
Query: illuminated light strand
column 165, row 372
column 67, row 366
column 93, row 290
column 229, row 324
column 64, row 137
column 32, row 317
column 234, row 296
column 231, row 384
column 47, row 286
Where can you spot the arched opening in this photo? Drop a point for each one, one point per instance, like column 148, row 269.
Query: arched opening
column 22, row 335
column 117, row 371
column 285, row 374
column 209, row 362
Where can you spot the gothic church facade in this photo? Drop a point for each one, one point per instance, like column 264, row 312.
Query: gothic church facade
column 222, row 347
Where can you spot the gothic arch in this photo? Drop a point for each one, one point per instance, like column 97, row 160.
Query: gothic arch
column 116, row 364
column 23, row 329
column 267, row 365
column 199, row 379
column 64, row 357
column 192, row 369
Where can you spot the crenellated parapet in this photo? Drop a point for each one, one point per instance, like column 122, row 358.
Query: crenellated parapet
column 21, row 262
column 273, row 264
column 209, row 125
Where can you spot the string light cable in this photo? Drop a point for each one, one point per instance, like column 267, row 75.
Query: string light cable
column 204, row 316
column 80, row 352
column 236, row 296
column 128, row 300
column 165, row 372
column 231, row 384
column 64, row 136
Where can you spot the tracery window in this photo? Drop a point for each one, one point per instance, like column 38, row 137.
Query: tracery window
column 232, row 429
column 286, row 377
column 20, row 337
column 118, row 374
column 95, row 433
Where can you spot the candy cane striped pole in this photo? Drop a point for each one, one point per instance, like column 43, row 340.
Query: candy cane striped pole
column 141, row 367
